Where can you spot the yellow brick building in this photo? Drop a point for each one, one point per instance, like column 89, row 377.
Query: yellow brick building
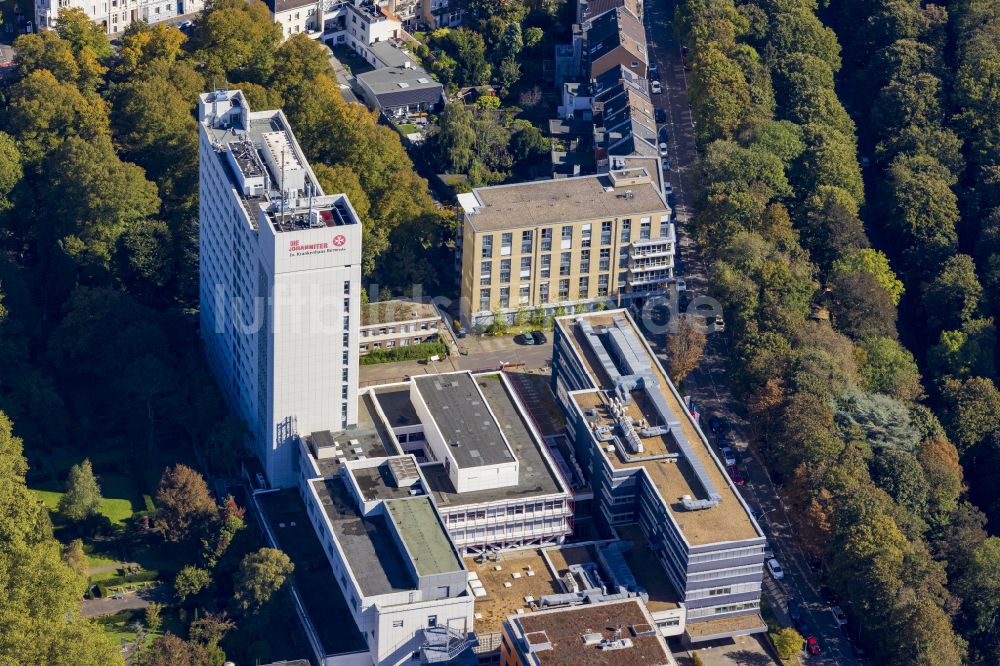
column 565, row 243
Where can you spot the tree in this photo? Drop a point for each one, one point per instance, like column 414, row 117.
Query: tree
column 230, row 522
column 42, row 111
column 82, row 498
column 898, row 473
column 884, row 422
column 184, row 507
column 939, row 459
column 451, row 143
column 75, row 558
column 980, row 589
column 92, row 197
column 685, row 347
column 888, row 367
column 190, row 581
column 952, row 297
column 46, row 50
column 973, row 409
column 874, row 262
column 154, row 620
column 76, row 28
column 40, row 597
column 236, row 41
column 832, row 228
column 787, row 642
column 719, row 93
column 11, row 169
column 261, row 574
column 861, row 307
column 922, row 207
column 170, row 650
column 966, row 352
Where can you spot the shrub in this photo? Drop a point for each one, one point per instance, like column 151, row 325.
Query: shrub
column 415, row 352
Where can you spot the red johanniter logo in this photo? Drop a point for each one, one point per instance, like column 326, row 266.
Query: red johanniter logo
column 339, row 241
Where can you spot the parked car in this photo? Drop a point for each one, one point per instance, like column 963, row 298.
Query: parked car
column 775, row 569
column 524, row 339
column 655, row 87
column 794, row 611
column 717, row 323
column 714, row 424
column 812, row 645
column 660, row 115
column 664, row 149
column 668, row 187
column 539, row 337
column 728, row 456
column 736, row 475
column 186, row 25
column 838, row 615
column 681, row 285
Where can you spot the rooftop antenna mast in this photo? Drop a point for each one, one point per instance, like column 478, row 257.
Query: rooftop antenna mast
column 283, row 193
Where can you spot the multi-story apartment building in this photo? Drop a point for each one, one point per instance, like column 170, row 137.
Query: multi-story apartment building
column 651, row 465
column 566, row 243
column 115, row 15
column 280, row 273
column 615, row 38
column 356, row 23
column 441, row 13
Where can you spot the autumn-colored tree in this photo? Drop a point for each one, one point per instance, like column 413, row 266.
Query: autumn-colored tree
column 939, row 459
column 184, row 506
column 685, row 347
column 75, row 558
column 261, row 574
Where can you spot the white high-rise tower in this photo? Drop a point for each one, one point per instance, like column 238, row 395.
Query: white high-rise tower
column 280, row 272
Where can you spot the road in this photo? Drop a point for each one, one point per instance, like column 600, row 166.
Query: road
column 708, row 385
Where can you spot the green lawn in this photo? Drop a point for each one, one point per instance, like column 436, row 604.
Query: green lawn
column 121, row 497
column 97, row 559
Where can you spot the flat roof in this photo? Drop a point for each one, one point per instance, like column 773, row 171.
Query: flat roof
column 376, row 483
column 560, row 200
column 501, row 600
column 385, row 312
column 725, row 627
column 320, row 593
column 565, row 628
column 535, row 476
column 391, row 55
column 729, row 520
column 370, row 435
column 648, row 571
column 368, row 545
column 425, row 537
column 396, row 406
column 459, row 410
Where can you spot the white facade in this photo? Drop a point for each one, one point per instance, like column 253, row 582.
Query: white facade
column 357, row 23
column 280, row 273
column 393, row 623
column 115, row 15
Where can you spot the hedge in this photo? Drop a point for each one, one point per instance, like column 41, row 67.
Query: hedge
column 420, row 350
